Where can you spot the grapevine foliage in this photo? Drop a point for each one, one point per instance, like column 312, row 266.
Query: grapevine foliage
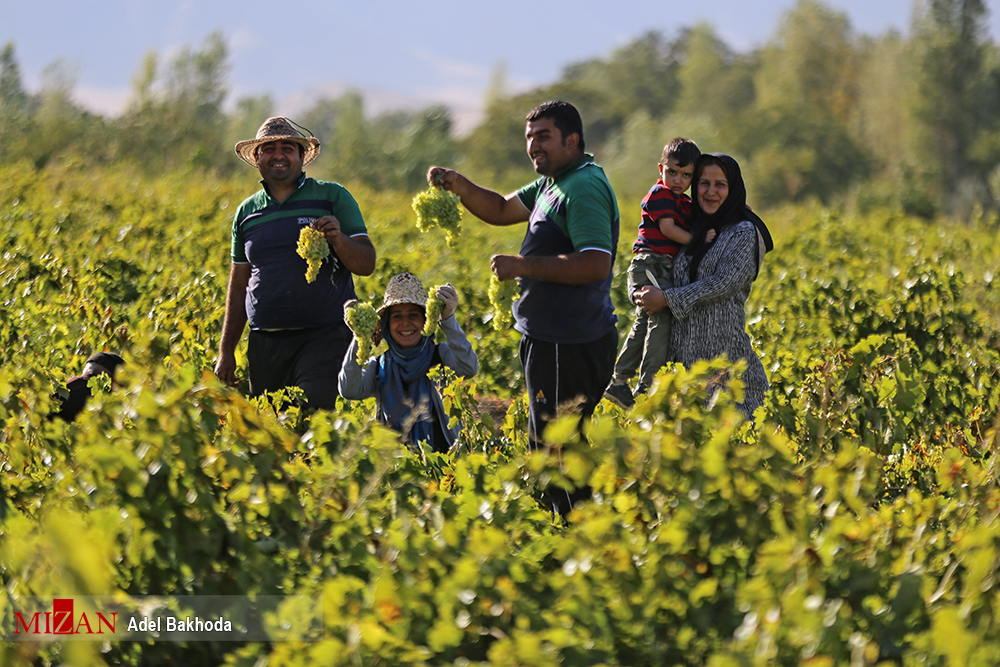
column 856, row 523
column 437, row 207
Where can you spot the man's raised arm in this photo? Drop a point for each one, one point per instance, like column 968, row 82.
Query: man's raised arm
column 489, row 206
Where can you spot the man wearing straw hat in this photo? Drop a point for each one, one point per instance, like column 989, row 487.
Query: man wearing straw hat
column 297, row 332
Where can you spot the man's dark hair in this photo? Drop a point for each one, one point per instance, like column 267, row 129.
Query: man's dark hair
column 683, row 150
column 564, row 116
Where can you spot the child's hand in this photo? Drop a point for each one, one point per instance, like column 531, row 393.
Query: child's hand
column 710, row 236
column 347, row 306
column 448, row 294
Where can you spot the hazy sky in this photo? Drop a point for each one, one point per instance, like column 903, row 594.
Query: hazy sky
column 398, row 54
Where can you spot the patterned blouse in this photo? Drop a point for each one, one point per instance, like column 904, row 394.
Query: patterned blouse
column 709, row 314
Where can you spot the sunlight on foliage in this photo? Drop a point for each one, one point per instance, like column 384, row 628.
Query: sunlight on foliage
column 855, row 522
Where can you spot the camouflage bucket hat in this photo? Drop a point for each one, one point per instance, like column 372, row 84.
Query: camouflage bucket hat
column 404, row 288
column 278, row 128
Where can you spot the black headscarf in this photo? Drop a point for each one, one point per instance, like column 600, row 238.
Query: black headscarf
column 732, row 211
column 108, row 360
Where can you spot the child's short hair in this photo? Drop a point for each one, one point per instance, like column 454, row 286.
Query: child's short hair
column 683, row 150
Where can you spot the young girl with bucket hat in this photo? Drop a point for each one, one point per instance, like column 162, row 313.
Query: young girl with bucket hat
column 406, row 399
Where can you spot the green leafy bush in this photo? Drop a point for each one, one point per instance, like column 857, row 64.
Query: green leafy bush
column 856, row 522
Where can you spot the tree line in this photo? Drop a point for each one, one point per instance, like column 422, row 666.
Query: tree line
column 818, row 113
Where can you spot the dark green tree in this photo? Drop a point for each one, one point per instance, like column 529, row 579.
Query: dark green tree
column 11, row 91
column 60, row 126
column 954, row 99
column 811, row 63
column 15, row 105
column 640, row 76
column 182, row 111
column 798, row 133
column 321, row 120
column 248, row 115
column 412, row 142
column 494, row 152
column 714, row 81
column 391, row 151
column 349, row 152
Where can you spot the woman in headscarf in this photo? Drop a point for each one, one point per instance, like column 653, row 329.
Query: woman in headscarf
column 712, row 279
column 406, row 399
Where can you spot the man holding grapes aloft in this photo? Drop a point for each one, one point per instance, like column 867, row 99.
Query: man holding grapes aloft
column 564, row 312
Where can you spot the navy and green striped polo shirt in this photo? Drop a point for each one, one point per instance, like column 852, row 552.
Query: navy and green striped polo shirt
column 571, row 211
column 265, row 235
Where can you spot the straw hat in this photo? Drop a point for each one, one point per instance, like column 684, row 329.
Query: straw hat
column 404, row 288
column 278, row 128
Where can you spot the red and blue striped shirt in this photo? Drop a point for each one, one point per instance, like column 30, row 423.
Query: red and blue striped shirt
column 661, row 202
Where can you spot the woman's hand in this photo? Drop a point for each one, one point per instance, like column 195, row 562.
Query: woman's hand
column 650, row 299
column 448, row 294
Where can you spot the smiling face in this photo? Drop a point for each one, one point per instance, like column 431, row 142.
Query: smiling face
column 549, row 151
column 713, row 188
column 280, row 162
column 406, row 324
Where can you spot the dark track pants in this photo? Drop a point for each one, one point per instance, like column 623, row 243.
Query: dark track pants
column 305, row 358
column 564, row 378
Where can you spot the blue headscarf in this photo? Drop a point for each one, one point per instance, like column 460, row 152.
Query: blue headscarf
column 404, row 386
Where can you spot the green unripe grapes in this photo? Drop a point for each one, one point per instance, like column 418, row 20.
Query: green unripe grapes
column 502, row 293
column 313, row 248
column 363, row 320
column 434, row 308
column 436, row 207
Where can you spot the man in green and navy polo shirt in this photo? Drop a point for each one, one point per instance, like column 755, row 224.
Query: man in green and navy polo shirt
column 564, row 312
column 297, row 332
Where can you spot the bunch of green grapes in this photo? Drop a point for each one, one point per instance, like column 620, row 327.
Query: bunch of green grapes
column 438, row 207
column 363, row 320
column 313, row 248
column 434, row 308
column 502, row 293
